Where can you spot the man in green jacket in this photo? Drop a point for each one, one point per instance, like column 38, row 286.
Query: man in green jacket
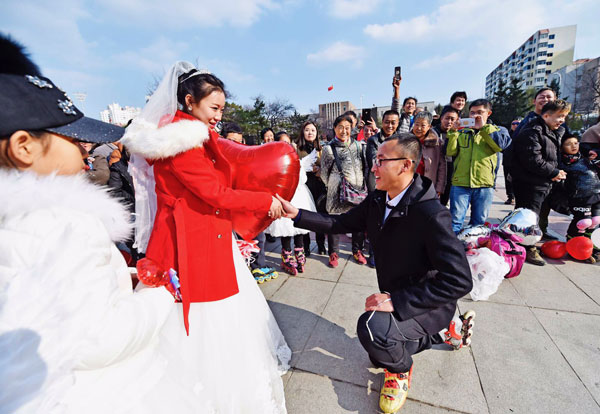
column 476, row 150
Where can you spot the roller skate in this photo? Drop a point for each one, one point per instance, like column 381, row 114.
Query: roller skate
column 264, row 274
column 300, row 259
column 394, row 391
column 460, row 330
column 288, row 262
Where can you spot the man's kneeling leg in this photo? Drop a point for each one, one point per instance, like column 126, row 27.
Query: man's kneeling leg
column 391, row 343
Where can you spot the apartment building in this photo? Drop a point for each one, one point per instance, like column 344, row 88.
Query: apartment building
column 544, row 52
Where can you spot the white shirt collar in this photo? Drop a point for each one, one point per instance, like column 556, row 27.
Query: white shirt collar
column 394, row 201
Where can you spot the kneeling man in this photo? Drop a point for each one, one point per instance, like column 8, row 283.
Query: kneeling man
column 421, row 266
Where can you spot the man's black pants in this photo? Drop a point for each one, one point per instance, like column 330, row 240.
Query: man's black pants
column 391, row 343
column 529, row 196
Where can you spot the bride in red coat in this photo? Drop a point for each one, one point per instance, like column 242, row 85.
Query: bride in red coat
column 232, row 351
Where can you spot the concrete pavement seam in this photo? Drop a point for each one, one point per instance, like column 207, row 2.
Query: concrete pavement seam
column 576, row 285
column 564, row 357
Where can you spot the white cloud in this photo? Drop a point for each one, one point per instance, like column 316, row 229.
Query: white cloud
column 338, row 52
column 349, row 9
column 229, row 72
column 437, row 61
column 154, row 58
column 74, row 80
column 50, row 31
column 183, row 13
column 480, row 23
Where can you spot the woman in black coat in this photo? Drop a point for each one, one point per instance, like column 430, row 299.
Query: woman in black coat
column 119, row 181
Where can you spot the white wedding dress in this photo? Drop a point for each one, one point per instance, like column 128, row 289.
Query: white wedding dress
column 235, row 354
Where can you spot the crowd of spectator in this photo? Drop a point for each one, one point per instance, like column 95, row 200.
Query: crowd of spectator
column 461, row 159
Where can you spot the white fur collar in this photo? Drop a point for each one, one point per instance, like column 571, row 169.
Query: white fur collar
column 167, row 141
column 25, row 192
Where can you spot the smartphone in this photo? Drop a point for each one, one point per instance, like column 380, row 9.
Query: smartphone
column 467, row 122
column 366, row 115
column 397, row 72
column 218, row 127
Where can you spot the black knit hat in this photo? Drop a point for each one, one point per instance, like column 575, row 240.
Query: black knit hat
column 566, row 136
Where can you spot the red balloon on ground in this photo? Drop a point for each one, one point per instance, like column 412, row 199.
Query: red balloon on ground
column 273, row 168
column 554, row 249
column 580, row 248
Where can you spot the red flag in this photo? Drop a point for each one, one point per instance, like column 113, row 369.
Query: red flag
column 330, row 88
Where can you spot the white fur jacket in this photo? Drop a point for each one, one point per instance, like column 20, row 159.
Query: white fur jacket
column 70, row 324
column 167, row 141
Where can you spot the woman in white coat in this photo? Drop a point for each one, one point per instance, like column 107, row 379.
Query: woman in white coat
column 74, row 337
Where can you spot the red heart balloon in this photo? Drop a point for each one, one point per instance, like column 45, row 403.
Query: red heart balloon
column 272, row 168
column 554, row 249
column 580, row 248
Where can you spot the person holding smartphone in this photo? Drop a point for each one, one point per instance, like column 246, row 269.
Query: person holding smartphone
column 409, row 105
column 475, row 164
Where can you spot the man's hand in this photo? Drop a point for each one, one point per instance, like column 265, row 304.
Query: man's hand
column 373, row 125
column 560, row 176
column 381, row 302
column 361, row 124
column 592, row 155
column 396, row 84
column 289, row 210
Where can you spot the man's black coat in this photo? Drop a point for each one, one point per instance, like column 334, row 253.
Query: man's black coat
column 535, row 154
column 419, row 260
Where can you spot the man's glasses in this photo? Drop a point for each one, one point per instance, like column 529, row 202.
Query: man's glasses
column 379, row 161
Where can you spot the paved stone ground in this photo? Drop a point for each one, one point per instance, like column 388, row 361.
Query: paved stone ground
column 536, row 343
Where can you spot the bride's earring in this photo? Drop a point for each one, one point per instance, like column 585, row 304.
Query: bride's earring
column 190, row 108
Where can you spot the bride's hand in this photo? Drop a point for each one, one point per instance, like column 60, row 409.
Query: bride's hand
column 276, row 209
column 289, row 210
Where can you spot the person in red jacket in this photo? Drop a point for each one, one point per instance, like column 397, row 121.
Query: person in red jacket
column 192, row 234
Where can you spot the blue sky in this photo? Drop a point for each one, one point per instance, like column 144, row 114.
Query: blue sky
column 290, row 49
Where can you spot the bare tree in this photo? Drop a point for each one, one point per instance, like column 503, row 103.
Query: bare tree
column 278, row 111
column 592, row 82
